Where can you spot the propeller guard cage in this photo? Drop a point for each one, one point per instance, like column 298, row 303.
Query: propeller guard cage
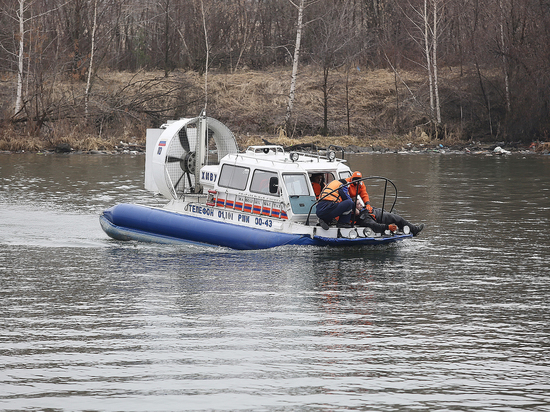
column 174, row 164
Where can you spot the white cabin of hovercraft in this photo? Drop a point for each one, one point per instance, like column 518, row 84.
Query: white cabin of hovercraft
column 267, row 181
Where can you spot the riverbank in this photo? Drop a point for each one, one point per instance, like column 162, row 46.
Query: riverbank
column 371, row 113
column 380, row 147
column 252, row 104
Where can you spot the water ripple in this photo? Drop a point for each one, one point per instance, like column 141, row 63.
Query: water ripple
column 456, row 319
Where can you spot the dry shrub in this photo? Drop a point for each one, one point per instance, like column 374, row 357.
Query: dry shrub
column 96, row 143
column 543, row 147
column 81, row 136
column 12, row 140
column 20, row 143
column 283, row 140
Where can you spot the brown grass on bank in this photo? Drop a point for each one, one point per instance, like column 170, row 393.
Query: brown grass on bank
column 392, row 142
column 251, row 103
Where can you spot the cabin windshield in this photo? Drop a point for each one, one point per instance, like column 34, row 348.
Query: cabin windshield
column 296, row 184
column 345, row 174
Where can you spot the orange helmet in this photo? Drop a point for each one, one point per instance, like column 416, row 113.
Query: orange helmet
column 356, row 176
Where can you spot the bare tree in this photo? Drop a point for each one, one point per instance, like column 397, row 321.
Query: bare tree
column 32, row 42
column 435, row 41
column 337, row 44
column 20, row 56
column 426, row 19
column 248, row 15
column 91, row 65
column 501, row 46
column 504, row 52
column 295, row 61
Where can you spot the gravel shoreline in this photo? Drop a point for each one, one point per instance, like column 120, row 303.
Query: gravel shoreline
column 495, row 149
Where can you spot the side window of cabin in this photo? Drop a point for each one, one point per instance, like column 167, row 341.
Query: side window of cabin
column 330, row 178
column 296, row 184
column 260, row 182
column 234, row 177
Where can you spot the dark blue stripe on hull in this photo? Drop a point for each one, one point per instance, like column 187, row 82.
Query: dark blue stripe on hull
column 122, row 233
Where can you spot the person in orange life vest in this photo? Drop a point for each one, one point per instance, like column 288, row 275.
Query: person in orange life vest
column 317, row 183
column 373, row 217
column 335, row 202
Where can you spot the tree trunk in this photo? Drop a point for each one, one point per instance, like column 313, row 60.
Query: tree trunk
column 207, row 56
column 434, row 63
column 504, row 60
column 428, row 59
column 396, row 101
column 296, row 58
column 91, row 66
column 348, row 110
column 325, row 88
column 166, row 38
column 20, row 58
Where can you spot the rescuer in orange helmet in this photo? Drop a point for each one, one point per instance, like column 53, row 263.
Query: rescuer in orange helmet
column 375, row 218
column 358, row 189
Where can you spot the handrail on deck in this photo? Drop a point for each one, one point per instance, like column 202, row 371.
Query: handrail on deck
column 356, row 182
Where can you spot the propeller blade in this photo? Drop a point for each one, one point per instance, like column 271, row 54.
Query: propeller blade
column 171, row 159
column 179, row 180
column 184, row 141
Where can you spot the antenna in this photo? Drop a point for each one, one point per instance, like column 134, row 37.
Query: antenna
column 207, row 57
column 202, row 135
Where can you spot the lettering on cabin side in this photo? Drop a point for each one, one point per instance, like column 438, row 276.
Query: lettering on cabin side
column 225, row 215
column 263, row 222
column 211, row 177
column 200, row 210
column 244, row 218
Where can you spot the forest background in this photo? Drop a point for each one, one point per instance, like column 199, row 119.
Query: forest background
column 92, row 73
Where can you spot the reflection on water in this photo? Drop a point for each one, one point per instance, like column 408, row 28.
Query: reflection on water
column 453, row 320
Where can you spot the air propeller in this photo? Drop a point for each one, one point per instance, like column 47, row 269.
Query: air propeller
column 183, row 148
column 186, row 162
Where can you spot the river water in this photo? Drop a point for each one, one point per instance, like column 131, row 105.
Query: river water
column 455, row 319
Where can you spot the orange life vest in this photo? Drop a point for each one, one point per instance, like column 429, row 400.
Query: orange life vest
column 334, row 196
